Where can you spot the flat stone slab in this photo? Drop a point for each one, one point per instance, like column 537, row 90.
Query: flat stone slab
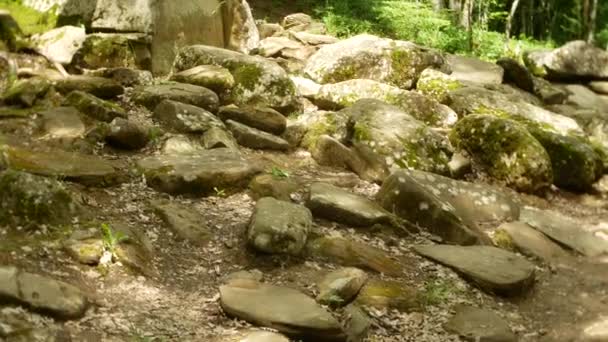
column 151, row 96
column 528, row 241
column 81, row 168
column 336, row 204
column 493, row 269
column 565, row 230
column 41, row 293
column 285, row 309
column 183, row 221
column 474, row 324
column 339, row 287
column 198, row 173
column 255, row 138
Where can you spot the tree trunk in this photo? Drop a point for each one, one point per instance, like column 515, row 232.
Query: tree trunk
column 465, row 14
column 591, row 21
column 438, row 5
column 510, row 19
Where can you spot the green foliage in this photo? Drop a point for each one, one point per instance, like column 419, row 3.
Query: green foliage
column 437, row 292
column 30, row 20
column 279, row 173
column 219, row 192
column 111, row 239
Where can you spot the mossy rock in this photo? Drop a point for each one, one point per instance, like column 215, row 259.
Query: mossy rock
column 94, row 107
column 27, row 92
column 111, row 51
column 30, row 200
column 505, row 150
column 382, row 294
column 437, row 85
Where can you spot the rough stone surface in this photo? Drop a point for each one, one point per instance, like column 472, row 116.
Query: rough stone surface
column 271, row 186
column 265, row 119
column 60, row 45
column 211, row 77
column 62, row 124
column 187, row 223
column 127, row 135
column 279, row 227
column 95, row 107
column 468, row 69
column 152, row 96
column 255, row 138
column 113, row 50
column 382, row 295
column 185, row 118
column 101, row 87
column 491, row 268
column 576, row 60
column 522, row 238
column 217, row 137
column 339, row 287
column 197, row 173
column 287, row 310
column 474, row 324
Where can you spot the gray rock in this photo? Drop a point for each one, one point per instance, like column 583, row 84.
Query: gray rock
column 565, row 230
column 180, row 145
column 211, row 77
column 330, row 152
column 152, row 96
column 184, row 118
column 279, row 227
column 352, row 253
column 383, row 295
column 336, row 96
column 41, row 293
column 30, row 200
column 255, row 138
column 389, row 138
column 89, row 170
column 576, row 60
column 340, row 287
column 272, row 46
column 113, row 50
column 287, row 310
column 265, row 119
column 61, row 123
column 394, row 62
column 491, row 268
column 505, row 150
column 358, row 324
column 479, row 325
column 185, row 222
column 101, row 87
column 333, row 203
column 305, row 86
column 600, row 87
column 522, row 238
column 217, row 137
column 258, row 81
column 470, row 69
column 296, row 19
column 584, row 97
column 127, row 135
column 27, row 92
column 197, row 173
column 270, row 29
column 95, row 107
column 242, row 32
column 549, row 93
column 517, row 74
column 127, row 77
column 314, row 39
column 60, row 45
column 272, row 186
column 87, row 251
column 128, row 16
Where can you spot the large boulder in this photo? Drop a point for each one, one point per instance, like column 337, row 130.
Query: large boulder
column 576, row 60
column 212, row 77
column 505, row 150
column 95, row 107
column 185, row 118
column 128, row 16
column 113, row 50
column 474, row 70
column 258, row 81
column 279, row 227
column 240, row 31
column 151, row 96
column 61, row 44
column 394, row 62
column 197, row 173
column 389, row 137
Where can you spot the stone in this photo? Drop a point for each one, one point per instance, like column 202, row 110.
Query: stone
column 394, row 62
column 306, row 87
column 522, row 238
column 459, row 165
column 382, row 295
column 255, row 138
column 41, row 293
column 296, row 19
column 279, row 227
column 491, row 268
column 85, row 169
column 286, row 310
column 575, row 60
column 8, row 72
column 241, row 32
column 151, row 96
column 95, row 107
column 98, row 86
column 61, row 123
column 272, row 46
column 474, row 324
column 328, row 151
column 470, row 69
column 217, row 137
column 184, row 118
column 352, row 253
column 600, row 87
column 254, row 336
column 258, row 81
column 197, row 174
column 335, row 204
column 265, row 119
column 306, row 129
column 565, row 230
column 271, row 186
column 211, row 77
column 85, row 251
column 358, row 325
column 437, row 85
column 549, row 93
column 27, row 92
column 505, row 150
column 30, row 201
column 127, row 77
column 388, row 138
column 517, row 74
column 127, row 135
column 128, row 16
column 113, row 50
column 270, row 29
column 418, row 198
column 314, row 39
column 340, row 287
column 68, row 12
column 61, row 44
column 583, row 97
column 344, row 94
column 185, row 222
column 180, row 145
